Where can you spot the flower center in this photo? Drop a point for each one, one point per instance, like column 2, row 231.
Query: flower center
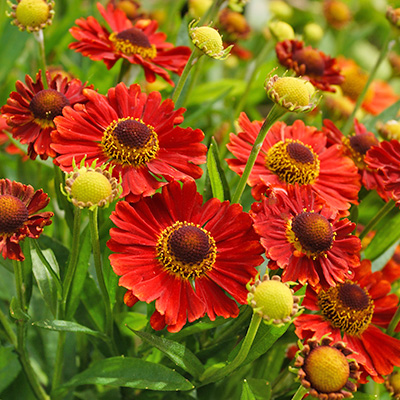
column 46, row 105
column 32, row 13
column 293, row 162
column 186, row 250
column 13, row 213
column 133, row 41
column 354, row 82
column 274, row 298
column 348, row 307
column 130, row 141
column 292, row 90
column 312, row 61
column 91, row 187
column 327, row 369
column 358, row 145
column 310, row 233
column 207, row 39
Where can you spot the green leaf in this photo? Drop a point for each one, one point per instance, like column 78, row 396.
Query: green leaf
column 9, row 367
column 260, row 388
column 387, row 235
column 247, row 394
column 266, row 336
column 364, row 396
column 386, row 115
column 78, row 283
column 16, row 311
column 177, row 352
column 128, row 372
column 27, row 271
column 68, row 326
column 44, row 279
column 227, row 194
column 215, row 179
column 91, row 299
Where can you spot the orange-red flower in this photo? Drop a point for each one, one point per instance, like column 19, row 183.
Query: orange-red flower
column 31, row 110
column 356, row 147
column 322, row 70
column 380, row 94
column 134, row 132
column 139, row 43
column 10, row 148
column 184, row 254
column 19, row 205
column 352, row 312
column 386, row 158
column 295, row 154
column 305, row 238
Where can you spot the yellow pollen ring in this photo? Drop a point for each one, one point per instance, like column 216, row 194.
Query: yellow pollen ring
column 287, row 168
column 128, row 48
column 128, row 155
column 349, row 319
column 177, row 267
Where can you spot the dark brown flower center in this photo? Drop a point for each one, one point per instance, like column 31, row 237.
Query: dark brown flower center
column 313, row 232
column 13, row 213
column 48, row 104
column 362, row 143
column 186, row 250
column 293, row 162
column 311, row 59
column 348, row 307
column 130, row 141
column 133, row 41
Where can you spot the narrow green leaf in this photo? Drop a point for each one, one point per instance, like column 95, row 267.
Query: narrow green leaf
column 247, row 394
column 128, row 372
column 260, row 388
column 90, row 297
column 225, row 185
column 16, row 311
column 44, row 279
column 387, row 114
column 9, row 366
column 177, row 352
column 215, row 179
column 385, row 237
column 364, row 396
column 27, row 271
column 68, row 326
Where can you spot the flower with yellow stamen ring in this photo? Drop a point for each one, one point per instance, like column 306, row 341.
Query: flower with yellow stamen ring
column 273, row 300
column 325, row 370
column 32, row 15
column 91, row 186
column 392, row 384
column 294, row 94
column 209, row 41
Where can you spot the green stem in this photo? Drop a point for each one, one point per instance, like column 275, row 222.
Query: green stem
column 210, row 13
column 94, row 233
column 194, row 57
column 42, row 57
column 394, row 322
column 301, row 391
column 21, row 337
column 387, row 45
column 7, row 329
column 58, row 363
column 212, row 375
column 273, row 116
column 380, row 215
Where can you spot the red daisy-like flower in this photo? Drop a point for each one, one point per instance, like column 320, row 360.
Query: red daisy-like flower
column 385, row 158
column 139, row 44
column 31, row 110
column 322, row 70
column 356, row 147
column 352, row 312
column 295, row 154
column 183, row 254
column 134, row 132
column 380, row 94
column 18, row 219
column 305, row 238
column 10, row 148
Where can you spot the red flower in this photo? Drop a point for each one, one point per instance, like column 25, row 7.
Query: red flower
column 138, row 44
column 295, row 154
column 18, row 219
column 31, row 110
column 322, row 70
column 356, row 147
column 305, row 238
column 183, row 254
column 352, row 312
column 385, row 158
column 134, row 132
column 10, row 148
